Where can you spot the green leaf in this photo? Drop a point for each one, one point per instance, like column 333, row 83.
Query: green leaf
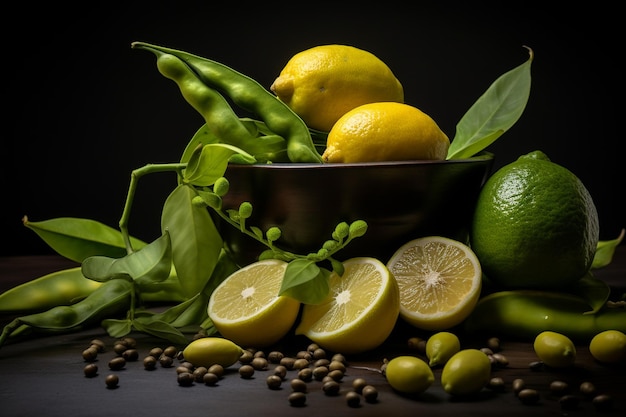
column 305, row 281
column 152, row 263
column 162, row 330
column 77, row 238
column 211, row 164
column 594, row 291
column 196, row 243
column 117, row 328
column 495, row 112
column 605, row 250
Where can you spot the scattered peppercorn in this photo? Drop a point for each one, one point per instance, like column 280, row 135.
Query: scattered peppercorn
column 111, row 381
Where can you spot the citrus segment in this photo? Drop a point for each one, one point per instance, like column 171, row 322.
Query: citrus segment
column 439, row 281
column 247, row 309
column 360, row 311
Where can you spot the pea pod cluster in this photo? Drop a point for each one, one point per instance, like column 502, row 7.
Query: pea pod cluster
column 203, row 81
column 523, row 314
column 110, row 299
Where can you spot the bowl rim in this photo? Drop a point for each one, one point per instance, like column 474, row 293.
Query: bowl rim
column 480, row 157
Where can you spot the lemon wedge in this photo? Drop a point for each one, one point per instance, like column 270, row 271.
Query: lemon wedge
column 360, row 311
column 247, row 309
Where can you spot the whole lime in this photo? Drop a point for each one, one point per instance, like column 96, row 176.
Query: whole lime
column 555, row 349
column 535, row 225
column 466, row 372
column 608, row 346
column 409, row 374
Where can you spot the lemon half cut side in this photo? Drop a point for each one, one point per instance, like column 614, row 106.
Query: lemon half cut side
column 360, row 311
column 247, row 309
column 439, row 280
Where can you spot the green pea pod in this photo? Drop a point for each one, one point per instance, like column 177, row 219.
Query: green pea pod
column 221, row 120
column 63, row 287
column 78, row 239
column 253, row 97
column 112, row 298
column 523, row 314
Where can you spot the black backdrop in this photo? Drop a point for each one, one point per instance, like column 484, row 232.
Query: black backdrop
column 84, row 109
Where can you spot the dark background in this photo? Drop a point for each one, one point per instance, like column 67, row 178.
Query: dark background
column 84, row 109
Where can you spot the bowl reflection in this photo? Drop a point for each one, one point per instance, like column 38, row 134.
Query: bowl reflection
column 400, row 201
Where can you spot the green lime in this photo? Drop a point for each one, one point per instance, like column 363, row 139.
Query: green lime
column 467, row 372
column 608, row 346
column 555, row 349
column 535, row 225
column 409, row 374
column 440, row 347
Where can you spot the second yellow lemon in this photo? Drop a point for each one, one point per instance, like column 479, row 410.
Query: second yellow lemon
column 322, row 83
column 385, row 131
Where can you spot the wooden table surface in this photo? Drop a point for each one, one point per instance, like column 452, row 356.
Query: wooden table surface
column 44, row 376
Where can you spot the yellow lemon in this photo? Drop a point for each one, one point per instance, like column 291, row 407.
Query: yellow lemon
column 439, row 280
column 466, row 373
column 409, row 374
column 385, row 131
column 360, row 311
column 608, row 346
column 322, row 83
column 247, row 309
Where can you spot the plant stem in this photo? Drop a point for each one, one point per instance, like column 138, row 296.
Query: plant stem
column 134, row 179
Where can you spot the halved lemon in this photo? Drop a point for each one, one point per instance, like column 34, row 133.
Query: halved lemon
column 439, row 280
column 360, row 311
column 247, row 309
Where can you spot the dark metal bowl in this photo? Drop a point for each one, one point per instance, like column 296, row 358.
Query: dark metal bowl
column 400, row 201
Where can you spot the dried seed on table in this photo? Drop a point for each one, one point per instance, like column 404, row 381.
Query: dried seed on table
column 353, row 399
column 528, row 396
column 91, row 370
column 280, row 371
column 298, row 385
column 246, row 371
column 331, row 387
column 117, row 363
column 210, row 378
column 358, row 384
column 149, row 362
column 370, row 393
column 111, row 381
column 559, row 387
column 216, row 369
column 297, row 399
column 274, row 382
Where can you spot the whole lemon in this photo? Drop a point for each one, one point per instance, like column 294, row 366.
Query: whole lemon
column 535, row 225
column 322, row 83
column 466, row 372
column 555, row 349
column 409, row 374
column 385, row 131
column 608, row 346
